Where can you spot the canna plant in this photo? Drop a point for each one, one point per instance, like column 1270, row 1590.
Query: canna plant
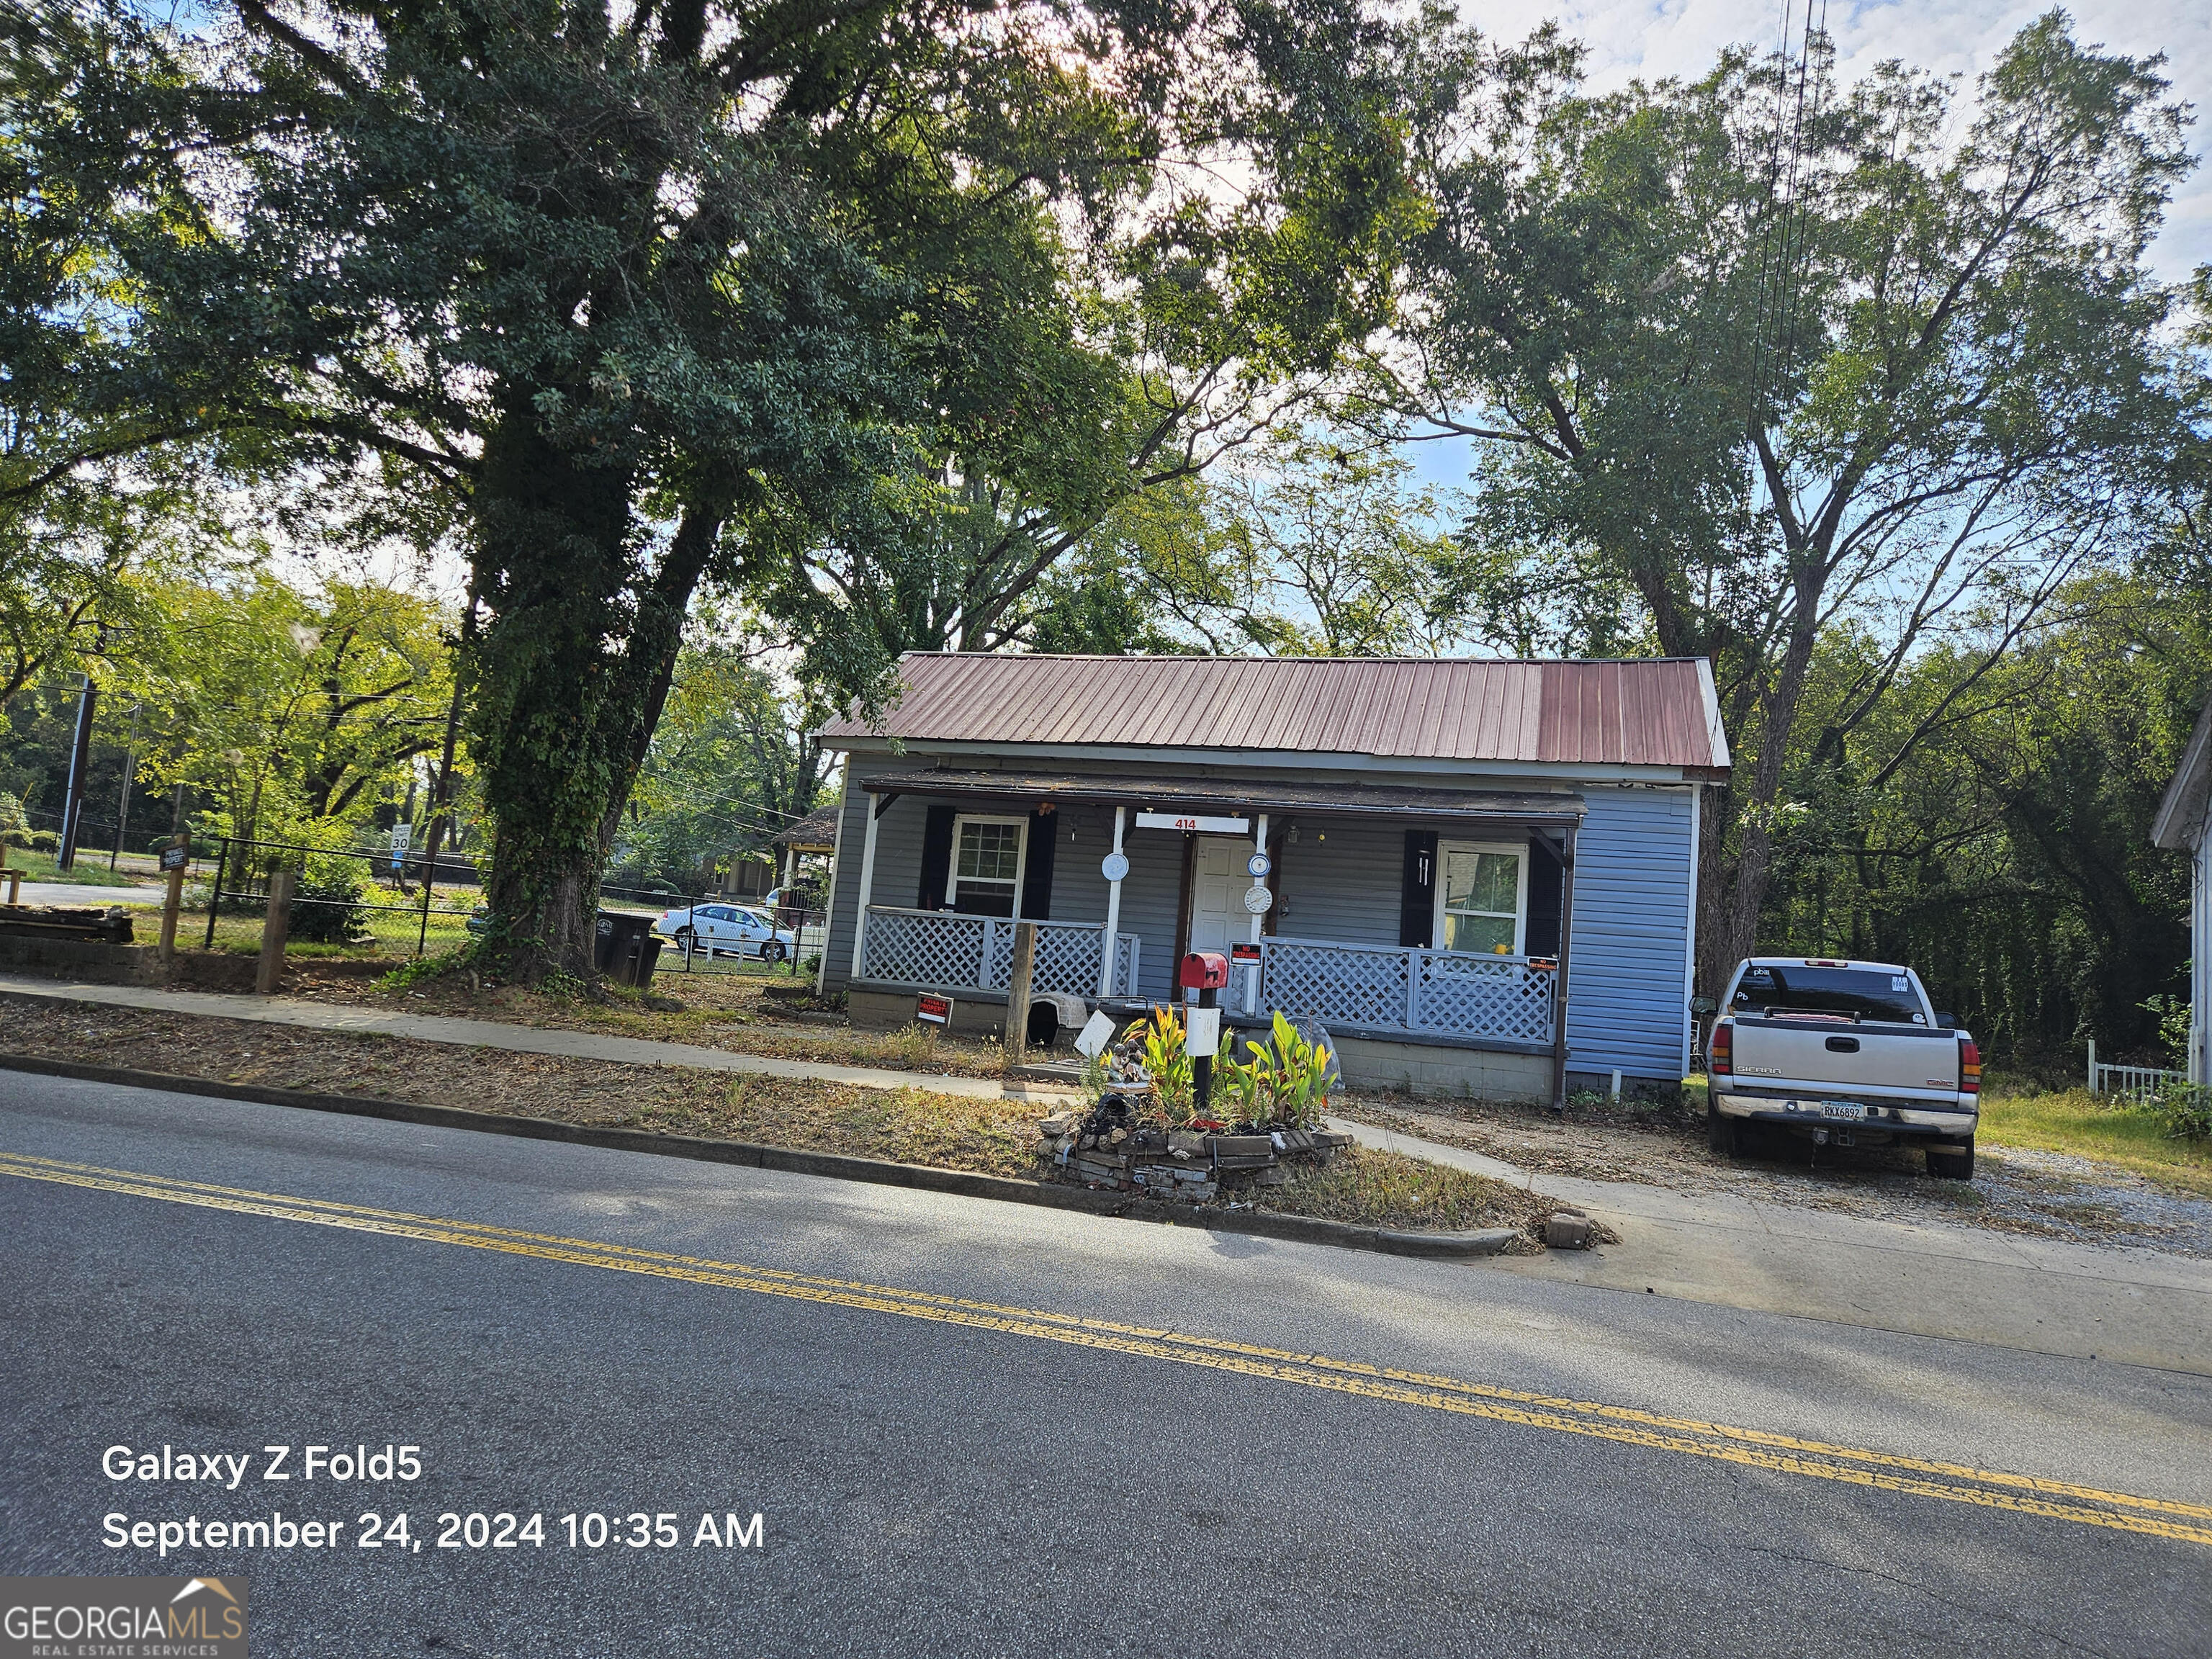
column 1290, row 1076
column 1166, row 1063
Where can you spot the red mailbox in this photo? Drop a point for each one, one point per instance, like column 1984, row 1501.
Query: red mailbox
column 1203, row 971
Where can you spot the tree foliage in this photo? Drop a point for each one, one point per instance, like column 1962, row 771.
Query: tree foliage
column 656, row 294
column 1773, row 358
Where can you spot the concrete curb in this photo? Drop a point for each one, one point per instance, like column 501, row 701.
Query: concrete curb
column 922, row 1177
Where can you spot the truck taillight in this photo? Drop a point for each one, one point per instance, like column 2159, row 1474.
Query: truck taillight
column 1969, row 1066
column 1721, row 1061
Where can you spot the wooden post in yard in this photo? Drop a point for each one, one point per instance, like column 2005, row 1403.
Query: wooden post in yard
column 1017, row 993
column 273, row 930
column 171, row 904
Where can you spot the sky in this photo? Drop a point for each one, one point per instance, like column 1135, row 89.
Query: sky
column 1652, row 38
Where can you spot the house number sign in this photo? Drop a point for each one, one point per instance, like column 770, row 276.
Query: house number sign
column 1193, row 824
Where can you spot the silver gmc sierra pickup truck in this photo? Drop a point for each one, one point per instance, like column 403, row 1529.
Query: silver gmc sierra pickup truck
column 1847, row 1053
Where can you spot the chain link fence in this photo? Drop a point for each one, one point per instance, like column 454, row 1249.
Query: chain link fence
column 351, row 904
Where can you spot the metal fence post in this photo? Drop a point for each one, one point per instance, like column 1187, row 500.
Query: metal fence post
column 429, row 873
column 214, row 895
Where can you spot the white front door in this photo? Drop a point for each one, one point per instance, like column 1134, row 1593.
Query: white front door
column 1218, row 916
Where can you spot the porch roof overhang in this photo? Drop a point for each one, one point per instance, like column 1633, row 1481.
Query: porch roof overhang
column 1350, row 800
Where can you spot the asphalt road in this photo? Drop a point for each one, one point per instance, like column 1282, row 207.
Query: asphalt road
column 948, row 1460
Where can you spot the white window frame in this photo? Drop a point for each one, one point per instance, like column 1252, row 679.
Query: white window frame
column 1518, row 849
column 1021, row 857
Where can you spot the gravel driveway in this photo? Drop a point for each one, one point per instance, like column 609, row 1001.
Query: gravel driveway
column 2050, row 1194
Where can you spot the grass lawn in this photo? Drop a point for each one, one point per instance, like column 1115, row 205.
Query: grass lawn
column 2073, row 1120
column 91, row 870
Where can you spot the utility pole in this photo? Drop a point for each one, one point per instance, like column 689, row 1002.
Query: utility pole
column 80, row 762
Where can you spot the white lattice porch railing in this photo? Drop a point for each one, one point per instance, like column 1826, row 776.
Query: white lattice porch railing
column 941, row 948
column 1422, row 993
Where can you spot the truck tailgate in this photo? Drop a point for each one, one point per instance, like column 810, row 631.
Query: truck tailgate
column 1848, row 1058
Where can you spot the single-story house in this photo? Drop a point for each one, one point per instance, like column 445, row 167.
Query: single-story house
column 1415, row 853
column 2181, row 825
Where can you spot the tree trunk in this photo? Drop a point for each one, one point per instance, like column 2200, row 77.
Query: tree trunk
column 572, row 671
column 1729, row 928
column 552, row 560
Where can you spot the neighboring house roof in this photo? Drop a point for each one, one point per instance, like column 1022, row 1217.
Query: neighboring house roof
column 2180, row 820
column 815, row 833
column 1646, row 712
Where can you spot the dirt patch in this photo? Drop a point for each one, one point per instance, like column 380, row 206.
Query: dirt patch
column 735, row 1013
column 2046, row 1194
column 988, row 1136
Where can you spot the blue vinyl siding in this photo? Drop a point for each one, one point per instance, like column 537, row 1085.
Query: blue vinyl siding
column 1626, row 997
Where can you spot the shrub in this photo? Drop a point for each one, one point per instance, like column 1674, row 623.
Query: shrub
column 328, row 911
column 32, row 841
column 2185, row 1110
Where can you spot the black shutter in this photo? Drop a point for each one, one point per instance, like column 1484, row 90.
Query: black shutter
column 1546, row 881
column 936, row 858
column 1416, row 911
column 1036, row 872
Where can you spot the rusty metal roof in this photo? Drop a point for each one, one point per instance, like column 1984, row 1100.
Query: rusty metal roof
column 1644, row 712
column 1349, row 800
column 817, row 832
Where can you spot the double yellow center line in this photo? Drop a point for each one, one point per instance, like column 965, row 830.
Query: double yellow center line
column 1760, row 1449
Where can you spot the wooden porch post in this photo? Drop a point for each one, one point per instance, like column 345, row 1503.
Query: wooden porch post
column 1106, row 986
column 1018, row 982
column 1559, row 990
column 867, row 880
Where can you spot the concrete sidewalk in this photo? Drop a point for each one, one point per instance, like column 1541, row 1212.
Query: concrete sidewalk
column 519, row 1039
column 1971, row 1283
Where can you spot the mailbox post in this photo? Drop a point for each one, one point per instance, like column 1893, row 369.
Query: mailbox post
column 1202, row 972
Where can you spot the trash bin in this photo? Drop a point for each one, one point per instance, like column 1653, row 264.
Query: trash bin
column 624, row 947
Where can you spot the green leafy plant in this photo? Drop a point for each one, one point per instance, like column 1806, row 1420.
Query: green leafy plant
column 1291, row 1076
column 1240, row 1088
column 2184, row 1109
column 1166, row 1062
column 2172, row 1015
column 1094, row 1076
column 422, row 970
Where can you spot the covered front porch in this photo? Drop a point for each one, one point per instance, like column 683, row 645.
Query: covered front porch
column 1406, row 914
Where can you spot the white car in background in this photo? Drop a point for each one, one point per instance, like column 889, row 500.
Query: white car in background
column 727, row 930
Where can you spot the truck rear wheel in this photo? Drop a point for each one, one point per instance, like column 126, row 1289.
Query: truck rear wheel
column 1720, row 1131
column 1951, row 1161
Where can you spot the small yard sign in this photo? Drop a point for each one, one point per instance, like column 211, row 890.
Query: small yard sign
column 932, row 1009
column 177, row 857
column 1244, row 952
column 1196, row 823
column 1092, row 1039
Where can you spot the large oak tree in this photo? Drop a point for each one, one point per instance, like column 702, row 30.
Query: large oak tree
column 661, row 293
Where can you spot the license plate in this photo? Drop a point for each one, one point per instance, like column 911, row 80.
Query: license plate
column 1841, row 1109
